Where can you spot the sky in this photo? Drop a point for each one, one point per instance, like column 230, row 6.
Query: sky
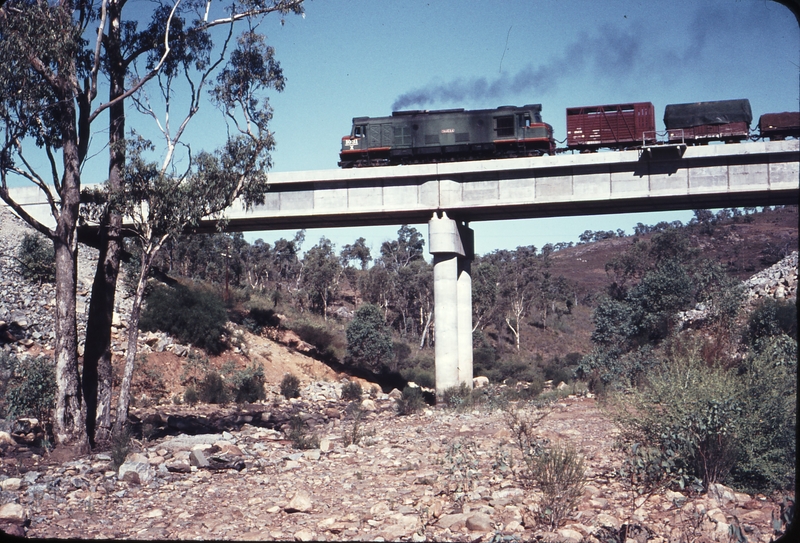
column 352, row 58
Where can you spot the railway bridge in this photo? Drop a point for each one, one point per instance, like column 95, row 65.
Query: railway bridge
column 448, row 196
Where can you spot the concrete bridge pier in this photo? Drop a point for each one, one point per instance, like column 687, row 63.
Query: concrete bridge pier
column 451, row 244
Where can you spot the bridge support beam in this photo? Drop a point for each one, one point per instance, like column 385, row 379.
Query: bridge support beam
column 451, row 244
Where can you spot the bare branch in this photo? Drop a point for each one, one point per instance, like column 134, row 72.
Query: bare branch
column 150, row 75
column 96, row 66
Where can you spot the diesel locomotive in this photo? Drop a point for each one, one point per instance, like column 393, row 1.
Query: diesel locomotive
column 421, row 136
column 410, row 137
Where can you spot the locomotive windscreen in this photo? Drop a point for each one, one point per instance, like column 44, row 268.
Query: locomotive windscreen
column 702, row 113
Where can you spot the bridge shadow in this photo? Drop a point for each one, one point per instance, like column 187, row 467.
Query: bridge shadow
column 660, row 160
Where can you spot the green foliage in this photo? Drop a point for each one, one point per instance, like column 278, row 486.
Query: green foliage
column 369, row 340
column 31, row 391
column 461, row 469
column 559, row 473
column 301, row 435
column 248, row 384
column 410, row 402
column 212, row 389
column 290, row 386
column 192, row 315
column 351, row 391
column 318, row 336
column 7, row 364
column 690, row 412
column 460, row 397
column 355, row 415
column 772, row 318
column 120, row 446
column 190, row 395
column 610, row 367
column 36, row 258
column 768, row 425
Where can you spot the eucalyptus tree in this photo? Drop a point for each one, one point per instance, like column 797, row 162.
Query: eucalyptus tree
column 55, row 57
column 322, row 272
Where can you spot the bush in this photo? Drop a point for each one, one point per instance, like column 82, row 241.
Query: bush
column 369, row 340
column 768, row 424
column 32, row 389
column 458, row 397
column 690, row 412
column 772, row 318
column 212, row 389
column 559, row 473
column 412, row 401
column 301, row 436
column 290, row 386
column 192, row 315
column 248, row 384
column 190, row 395
column 36, row 258
column 351, row 391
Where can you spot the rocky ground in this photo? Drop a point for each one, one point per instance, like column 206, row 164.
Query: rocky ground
column 398, row 482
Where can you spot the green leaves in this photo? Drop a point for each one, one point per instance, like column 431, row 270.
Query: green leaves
column 369, row 340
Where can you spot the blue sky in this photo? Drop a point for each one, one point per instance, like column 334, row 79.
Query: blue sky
column 351, row 58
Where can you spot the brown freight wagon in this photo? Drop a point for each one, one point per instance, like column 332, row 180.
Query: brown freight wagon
column 701, row 122
column 778, row 126
column 617, row 126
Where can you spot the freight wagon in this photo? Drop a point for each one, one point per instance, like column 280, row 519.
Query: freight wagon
column 701, row 122
column 779, row 126
column 617, row 126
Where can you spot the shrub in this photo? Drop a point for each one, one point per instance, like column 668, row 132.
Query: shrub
column 317, row 336
column 36, row 258
column 772, row 318
column 690, row 412
column 32, row 389
column 461, row 465
column 423, row 378
column 300, row 434
column 369, row 340
column 351, row 391
column 192, row 315
column 212, row 389
column 768, row 420
column 120, row 446
column 458, row 397
column 412, row 401
column 248, row 384
column 290, row 386
column 559, row 473
column 190, row 395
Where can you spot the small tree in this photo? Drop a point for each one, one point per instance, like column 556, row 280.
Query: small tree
column 36, row 259
column 369, row 340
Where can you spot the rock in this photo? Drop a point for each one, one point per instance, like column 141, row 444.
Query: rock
column 12, row 484
column 300, row 503
column 139, row 473
column 198, row 459
column 568, row 535
column 368, row 405
column 479, row 523
column 13, row 513
column 480, row 381
column 304, row 535
column 6, row 439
